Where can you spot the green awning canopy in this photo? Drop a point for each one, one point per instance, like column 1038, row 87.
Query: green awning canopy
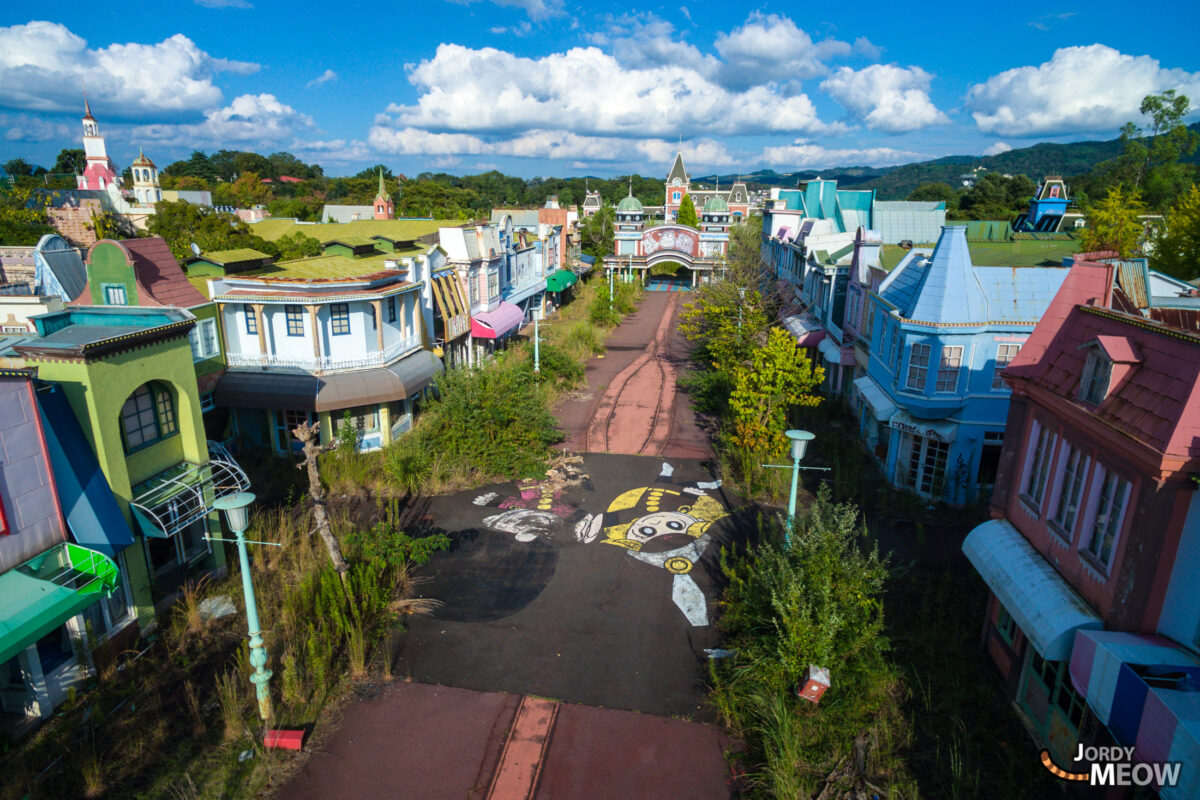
column 560, row 280
column 46, row 591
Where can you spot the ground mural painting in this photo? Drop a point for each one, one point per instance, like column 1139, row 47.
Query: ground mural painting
column 665, row 525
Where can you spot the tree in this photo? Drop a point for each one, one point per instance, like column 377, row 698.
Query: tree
column 18, row 168
column 687, row 213
column 297, row 245
column 1114, row 223
column 728, row 324
column 779, row 378
column 249, row 190
column 596, row 232
column 182, row 223
column 1177, row 247
column 935, row 192
column 1150, row 159
column 70, row 161
column 23, row 218
column 372, row 173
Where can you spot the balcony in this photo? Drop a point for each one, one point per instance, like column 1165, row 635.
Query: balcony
column 175, row 498
column 377, row 358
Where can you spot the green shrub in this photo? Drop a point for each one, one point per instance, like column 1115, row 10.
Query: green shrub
column 558, row 367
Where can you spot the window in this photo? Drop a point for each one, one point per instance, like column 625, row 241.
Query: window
column 391, row 309
column 1038, row 465
column 109, row 614
column 207, row 402
column 1109, row 513
column 284, row 423
column 918, row 366
column 1053, row 677
column 473, row 289
column 493, row 284
column 1005, row 624
column 339, row 318
column 921, row 464
column 1070, row 488
column 251, row 319
column 894, row 357
column 1093, row 385
column 179, row 549
column 1005, row 353
column 295, row 320
column 203, row 338
column 947, row 376
column 147, row 416
column 114, row 294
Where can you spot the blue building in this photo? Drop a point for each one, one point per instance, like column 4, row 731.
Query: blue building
column 1048, row 210
column 845, row 210
column 932, row 406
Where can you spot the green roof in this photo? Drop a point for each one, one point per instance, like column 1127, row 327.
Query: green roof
column 330, row 266
column 224, row 257
column 629, row 203
column 350, row 241
column 200, row 283
column 404, row 229
column 716, row 204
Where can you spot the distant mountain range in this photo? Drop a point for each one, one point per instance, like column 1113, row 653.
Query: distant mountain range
column 896, row 183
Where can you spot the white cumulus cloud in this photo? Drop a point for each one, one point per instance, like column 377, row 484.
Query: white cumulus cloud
column 250, row 120
column 997, row 148
column 31, row 128
column 325, row 77
column 770, row 47
column 1080, row 89
column 805, row 155
column 589, row 92
column 537, row 10
column 886, row 97
column 44, row 67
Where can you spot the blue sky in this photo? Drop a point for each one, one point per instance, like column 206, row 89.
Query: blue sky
column 552, row 87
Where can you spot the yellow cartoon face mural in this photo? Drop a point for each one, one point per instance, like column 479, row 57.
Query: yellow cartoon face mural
column 665, row 528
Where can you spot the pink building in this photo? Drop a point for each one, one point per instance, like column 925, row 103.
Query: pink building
column 100, row 172
column 1093, row 553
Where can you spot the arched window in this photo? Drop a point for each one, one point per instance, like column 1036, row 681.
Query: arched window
column 147, row 416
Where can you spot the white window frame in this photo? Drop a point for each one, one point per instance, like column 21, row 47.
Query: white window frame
column 1097, row 375
column 924, row 477
column 894, row 356
column 1038, row 458
column 114, row 288
column 203, row 338
column 1005, row 353
column 918, row 370
column 1108, row 502
column 949, row 368
column 1070, row 481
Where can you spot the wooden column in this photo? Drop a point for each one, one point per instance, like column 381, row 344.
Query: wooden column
column 316, row 331
column 378, row 306
column 260, row 326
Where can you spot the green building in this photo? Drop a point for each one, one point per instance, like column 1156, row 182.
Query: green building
column 129, row 377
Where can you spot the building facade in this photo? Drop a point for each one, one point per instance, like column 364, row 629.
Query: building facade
column 1093, row 552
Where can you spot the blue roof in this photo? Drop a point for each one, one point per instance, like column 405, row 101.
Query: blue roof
column 947, row 288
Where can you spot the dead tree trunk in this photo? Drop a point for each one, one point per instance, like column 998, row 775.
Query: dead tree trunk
column 310, row 436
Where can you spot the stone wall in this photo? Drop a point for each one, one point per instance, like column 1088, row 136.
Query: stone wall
column 16, row 265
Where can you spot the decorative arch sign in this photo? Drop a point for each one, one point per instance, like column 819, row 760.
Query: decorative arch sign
column 678, row 238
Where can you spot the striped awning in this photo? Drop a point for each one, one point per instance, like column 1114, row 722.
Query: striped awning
column 447, row 296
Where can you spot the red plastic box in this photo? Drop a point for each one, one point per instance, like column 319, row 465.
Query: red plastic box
column 284, row 740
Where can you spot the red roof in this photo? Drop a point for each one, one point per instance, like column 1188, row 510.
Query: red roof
column 1155, row 400
column 290, row 179
column 161, row 281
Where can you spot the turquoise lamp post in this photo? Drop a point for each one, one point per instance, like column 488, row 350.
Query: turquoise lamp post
column 800, row 440
column 237, row 514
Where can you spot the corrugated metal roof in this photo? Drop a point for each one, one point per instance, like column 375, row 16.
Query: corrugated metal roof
column 68, row 268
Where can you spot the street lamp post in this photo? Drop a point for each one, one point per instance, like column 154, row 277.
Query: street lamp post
column 800, row 440
column 536, row 359
column 610, row 288
column 237, row 514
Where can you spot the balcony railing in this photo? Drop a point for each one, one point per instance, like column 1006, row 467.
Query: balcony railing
column 376, row 358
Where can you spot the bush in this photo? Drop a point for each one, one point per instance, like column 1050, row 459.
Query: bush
column 558, row 367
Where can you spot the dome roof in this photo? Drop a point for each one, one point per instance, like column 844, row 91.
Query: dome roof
column 715, row 204
column 630, row 203
column 142, row 161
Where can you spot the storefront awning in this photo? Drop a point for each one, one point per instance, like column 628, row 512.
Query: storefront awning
column 880, row 404
column 806, row 328
column 558, row 281
column 493, row 324
column 331, row 392
column 1146, row 690
column 46, row 591
column 835, row 353
column 175, row 498
column 447, row 296
column 93, row 517
column 1045, row 607
column 942, row 430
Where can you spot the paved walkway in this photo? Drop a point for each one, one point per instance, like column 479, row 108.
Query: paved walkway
column 631, row 404
column 435, row 742
column 540, row 604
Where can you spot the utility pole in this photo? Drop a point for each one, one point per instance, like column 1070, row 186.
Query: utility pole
column 536, row 358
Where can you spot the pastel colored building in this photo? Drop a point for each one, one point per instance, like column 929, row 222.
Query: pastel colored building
column 338, row 339
column 128, row 386
column 787, row 210
column 52, row 588
column 478, row 256
column 1093, row 553
column 679, row 186
column 932, row 406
